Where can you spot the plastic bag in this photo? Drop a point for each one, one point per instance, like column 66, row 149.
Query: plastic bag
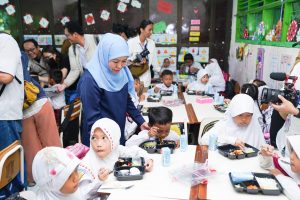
column 192, row 174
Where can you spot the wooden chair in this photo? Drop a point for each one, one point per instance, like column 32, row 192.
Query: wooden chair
column 206, row 125
column 11, row 163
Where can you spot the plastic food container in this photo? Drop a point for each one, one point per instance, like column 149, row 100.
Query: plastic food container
column 172, row 102
column 263, row 183
column 153, row 98
column 126, row 169
column 233, row 152
column 152, row 146
column 166, row 93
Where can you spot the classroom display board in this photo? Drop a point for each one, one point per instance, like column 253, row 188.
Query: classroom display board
column 268, row 22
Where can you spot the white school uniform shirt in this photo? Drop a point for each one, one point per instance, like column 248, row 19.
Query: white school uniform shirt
column 216, row 76
column 227, row 130
column 163, row 87
column 144, row 136
column 135, row 47
column 11, row 100
column 199, row 86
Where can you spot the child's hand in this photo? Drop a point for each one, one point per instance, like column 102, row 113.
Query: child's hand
column 239, row 143
column 275, row 172
column 227, row 101
column 153, row 131
column 142, row 98
column 267, row 150
column 103, row 174
column 149, row 165
column 156, row 89
column 177, row 144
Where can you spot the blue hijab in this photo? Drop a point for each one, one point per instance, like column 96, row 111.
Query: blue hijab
column 110, row 47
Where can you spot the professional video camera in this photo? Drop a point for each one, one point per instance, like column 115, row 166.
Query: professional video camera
column 140, row 56
column 289, row 92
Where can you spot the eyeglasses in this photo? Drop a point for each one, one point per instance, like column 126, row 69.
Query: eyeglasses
column 30, row 50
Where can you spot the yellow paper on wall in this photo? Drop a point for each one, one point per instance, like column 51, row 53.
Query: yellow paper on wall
column 195, row 34
column 194, row 39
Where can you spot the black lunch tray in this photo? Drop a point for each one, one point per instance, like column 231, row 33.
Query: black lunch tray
column 153, row 98
column 225, row 150
column 119, row 165
column 221, row 108
column 156, row 148
column 166, row 93
column 242, row 186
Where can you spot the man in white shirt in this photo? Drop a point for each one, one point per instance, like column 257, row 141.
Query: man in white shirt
column 80, row 52
column 138, row 44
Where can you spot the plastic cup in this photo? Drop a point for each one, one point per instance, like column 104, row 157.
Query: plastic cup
column 213, row 142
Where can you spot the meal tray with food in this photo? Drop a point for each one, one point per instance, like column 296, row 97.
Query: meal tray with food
column 155, row 146
column 233, row 152
column 128, row 169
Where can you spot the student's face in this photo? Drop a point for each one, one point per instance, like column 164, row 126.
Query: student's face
column 137, row 85
column 204, row 79
column 167, row 80
column 72, row 37
column 243, row 119
column 101, row 144
column 163, row 130
column 31, row 50
column 295, row 162
column 189, row 62
column 166, row 63
column 48, row 56
column 147, row 32
column 71, row 185
column 117, row 64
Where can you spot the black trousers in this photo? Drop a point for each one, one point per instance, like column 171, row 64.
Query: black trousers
column 276, row 124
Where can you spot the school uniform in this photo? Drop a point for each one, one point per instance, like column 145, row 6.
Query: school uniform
column 199, row 86
column 215, row 75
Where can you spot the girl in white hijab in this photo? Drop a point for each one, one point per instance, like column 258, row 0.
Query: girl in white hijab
column 215, row 75
column 288, row 166
column 202, row 83
column 105, row 148
column 238, row 126
column 58, row 175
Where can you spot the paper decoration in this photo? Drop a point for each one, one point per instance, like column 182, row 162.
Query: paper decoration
column 122, row 7
column 136, row 4
column 164, row 38
column 260, row 63
column 166, row 52
column 194, row 39
column 89, row 19
column 45, row 40
column 3, row 2
column 10, row 9
column 64, row 20
column 125, row 1
column 105, row 15
column 35, row 37
column 195, row 21
column 195, row 34
column 28, row 19
column 278, row 30
column 44, row 22
column 164, row 7
column 298, row 36
column 201, row 54
column 195, row 28
column 246, row 33
column 193, row 50
column 271, row 35
column 292, row 31
column 159, row 27
column 59, row 39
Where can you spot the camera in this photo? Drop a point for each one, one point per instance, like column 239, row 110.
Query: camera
column 289, row 92
column 140, row 56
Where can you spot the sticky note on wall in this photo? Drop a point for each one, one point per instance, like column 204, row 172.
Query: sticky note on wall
column 195, row 34
column 194, row 39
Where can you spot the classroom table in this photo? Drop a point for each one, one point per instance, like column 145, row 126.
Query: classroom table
column 157, row 184
column 202, row 110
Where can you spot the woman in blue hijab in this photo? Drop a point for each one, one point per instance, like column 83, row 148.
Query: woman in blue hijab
column 106, row 86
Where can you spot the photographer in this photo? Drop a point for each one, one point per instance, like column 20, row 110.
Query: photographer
column 138, row 47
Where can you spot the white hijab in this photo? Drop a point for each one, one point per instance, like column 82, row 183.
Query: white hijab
column 51, row 168
column 198, row 85
column 227, row 130
column 113, row 132
column 293, row 142
column 216, row 76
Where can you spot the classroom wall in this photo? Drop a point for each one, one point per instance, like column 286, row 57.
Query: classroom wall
column 275, row 59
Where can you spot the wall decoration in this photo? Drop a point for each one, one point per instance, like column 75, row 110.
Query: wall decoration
column 271, row 35
column 246, row 33
column 45, row 40
column 278, row 30
column 193, row 34
column 260, row 63
column 164, row 7
column 122, row 7
column 194, row 39
column 3, row 2
column 195, row 28
column 105, row 15
column 159, row 27
column 89, row 19
column 44, row 23
column 201, row 54
column 136, row 4
column 195, row 21
column 298, row 36
column 166, row 52
column 164, row 38
column 10, row 9
column 28, row 19
column 64, row 20
column 59, row 39
column 125, row 1
column 292, row 31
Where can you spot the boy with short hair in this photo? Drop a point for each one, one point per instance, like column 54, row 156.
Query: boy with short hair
column 160, row 119
column 166, row 85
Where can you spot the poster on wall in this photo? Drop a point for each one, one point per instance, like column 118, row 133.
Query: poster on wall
column 201, row 54
column 41, row 39
column 59, row 39
column 260, row 63
column 167, row 52
column 164, row 38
